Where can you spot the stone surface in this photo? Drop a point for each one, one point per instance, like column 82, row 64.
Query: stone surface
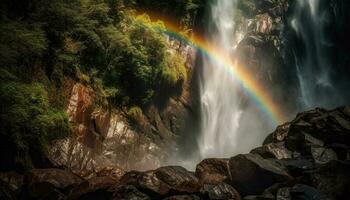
column 45, row 183
column 213, row 171
column 219, row 191
column 163, row 181
column 251, row 174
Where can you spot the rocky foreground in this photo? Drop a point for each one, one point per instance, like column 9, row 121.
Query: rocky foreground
column 307, row 158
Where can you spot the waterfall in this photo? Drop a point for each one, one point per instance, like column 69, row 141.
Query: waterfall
column 226, row 125
column 220, row 110
column 313, row 63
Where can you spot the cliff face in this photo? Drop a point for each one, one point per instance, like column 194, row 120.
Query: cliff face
column 106, row 136
column 261, row 25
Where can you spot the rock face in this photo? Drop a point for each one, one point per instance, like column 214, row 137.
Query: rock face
column 307, row 158
column 261, row 48
column 48, row 183
column 163, row 181
column 245, row 169
column 104, row 135
column 213, row 171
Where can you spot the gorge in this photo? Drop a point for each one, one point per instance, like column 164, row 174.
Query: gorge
column 143, row 99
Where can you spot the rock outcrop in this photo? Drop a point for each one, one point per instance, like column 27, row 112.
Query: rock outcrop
column 307, row 158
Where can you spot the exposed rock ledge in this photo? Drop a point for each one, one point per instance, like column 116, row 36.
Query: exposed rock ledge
column 307, row 158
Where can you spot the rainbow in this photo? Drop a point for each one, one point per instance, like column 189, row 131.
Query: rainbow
column 256, row 91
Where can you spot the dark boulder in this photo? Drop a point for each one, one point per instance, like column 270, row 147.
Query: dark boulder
column 48, row 183
column 274, row 150
column 128, row 192
column 94, row 187
column 213, row 171
column 183, row 197
column 251, row 174
column 163, row 181
column 332, row 178
column 219, row 191
column 302, row 192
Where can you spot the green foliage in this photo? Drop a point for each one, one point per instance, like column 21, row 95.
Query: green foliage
column 183, row 11
column 19, row 42
column 135, row 114
column 175, row 70
column 124, row 57
column 29, row 124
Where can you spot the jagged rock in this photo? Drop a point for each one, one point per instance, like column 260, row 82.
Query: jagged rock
column 300, row 191
column 7, row 192
column 129, row 192
column 94, row 187
column 274, row 150
column 323, row 155
column 48, row 183
column 12, row 179
column 183, row 197
column 163, row 181
column 213, row 171
column 219, row 191
column 296, row 167
column 111, row 172
column 332, row 179
column 251, row 174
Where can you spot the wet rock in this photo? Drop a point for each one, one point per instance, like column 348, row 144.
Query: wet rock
column 183, row 197
column 332, row 179
column 44, row 183
column 300, row 191
column 7, row 192
column 251, row 174
column 94, row 187
column 12, row 179
column 129, row 192
column 219, row 191
column 323, row 155
column 297, row 167
column 274, row 150
column 163, row 181
column 178, row 179
column 114, row 173
column 213, row 170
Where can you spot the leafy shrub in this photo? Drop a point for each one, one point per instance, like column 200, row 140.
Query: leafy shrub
column 135, row 114
column 174, row 70
column 29, row 124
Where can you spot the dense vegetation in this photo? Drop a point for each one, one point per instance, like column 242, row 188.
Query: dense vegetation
column 101, row 43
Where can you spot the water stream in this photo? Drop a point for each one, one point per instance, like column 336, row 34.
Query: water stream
column 226, row 125
column 314, row 67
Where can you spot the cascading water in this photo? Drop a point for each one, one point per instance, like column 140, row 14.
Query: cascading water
column 220, row 111
column 223, row 117
column 313, row 64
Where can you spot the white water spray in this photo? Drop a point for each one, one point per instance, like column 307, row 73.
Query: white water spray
column 226, row 128
column 314, row 68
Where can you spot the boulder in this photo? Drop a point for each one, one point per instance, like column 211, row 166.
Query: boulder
column 45, row 183
column 251, row 174
column 219, row 191
column 213, row 171
column 274, row 150
column 332, row 179
column 163, row 181
column 323, row 155
column 297, row 167
column 96, row 187
column 183, row 197
column 128, row 192
column 114, row 173
column 300, row 191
